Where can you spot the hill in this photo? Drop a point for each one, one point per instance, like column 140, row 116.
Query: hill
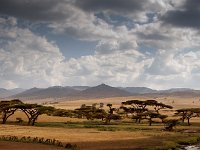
column 103, row 91
column 51, row 92
column 139, row 90
column 80, row 88
column 177, row 90
column 6, row 93
column 100, row 91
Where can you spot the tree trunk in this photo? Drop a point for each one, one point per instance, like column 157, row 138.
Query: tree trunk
column 34, row 119
column 183, row 119
column 29, row 121
column 139, row 120
column 4, row 120
column 188, row 121
column 150, row 121
column 33, row 122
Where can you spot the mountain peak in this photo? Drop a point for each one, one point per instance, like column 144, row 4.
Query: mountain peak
column 104, row 90
column 103, row 85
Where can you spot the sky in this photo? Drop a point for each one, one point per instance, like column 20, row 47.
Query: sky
column 151, row 43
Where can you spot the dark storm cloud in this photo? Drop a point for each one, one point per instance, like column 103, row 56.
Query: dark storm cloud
column 186, row 16
column 52, row 10
column 111, row 5
column 36, row 10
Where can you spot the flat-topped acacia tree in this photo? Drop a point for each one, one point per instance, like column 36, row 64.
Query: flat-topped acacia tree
column 32, row 111
column 187, row 113
column 110, row 115
column 139, row 109
column 150, row 115
column 8, row 108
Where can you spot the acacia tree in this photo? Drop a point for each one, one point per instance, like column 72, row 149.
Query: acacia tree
column 159, row 106
column 62, row 113
column 85, row 112
column 111, row 116
column 90, row 112
column 140, row 109
column 150, row 115
column 182, row 113
column 32, row 111
column 8, row 108
column 187, row 113
column 171, row 124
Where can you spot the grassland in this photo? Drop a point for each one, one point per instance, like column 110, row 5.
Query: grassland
column 123, row 134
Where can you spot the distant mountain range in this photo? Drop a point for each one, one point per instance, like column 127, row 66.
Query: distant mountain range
column 86, row 92
column 75, row 92
column 103, row 91
column 51, row 92
column 139, row 90
column 7, row 93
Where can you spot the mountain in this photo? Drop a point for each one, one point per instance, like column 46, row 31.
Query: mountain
column 176, row 90
column 86, row 92
column 181, row 92
column 103, row 91
column 139, row 90
column 6, row 93
column 27, row 93
column 51, row 92
column 80, row 88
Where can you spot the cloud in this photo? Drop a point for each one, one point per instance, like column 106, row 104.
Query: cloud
column 111, row 5
column 186, row 15
column 157, row 36
column 149, row 52
column 113, row 68
column 51, row 11
column 134, row 9
column 30, row 60
column 46, row 10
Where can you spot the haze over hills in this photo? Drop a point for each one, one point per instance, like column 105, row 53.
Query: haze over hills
column 86, row 92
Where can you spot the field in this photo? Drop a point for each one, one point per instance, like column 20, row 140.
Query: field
column 122, row 134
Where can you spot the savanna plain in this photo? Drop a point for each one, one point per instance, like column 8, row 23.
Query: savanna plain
column 94, row 134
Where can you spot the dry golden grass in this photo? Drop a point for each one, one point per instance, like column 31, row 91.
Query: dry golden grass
column 43, row 118
column 176, row 102
column 69, row 135
column 88, row 135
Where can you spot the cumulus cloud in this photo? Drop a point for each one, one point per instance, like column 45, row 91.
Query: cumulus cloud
column 123, row 54
column 114, row 68
column 30, row 60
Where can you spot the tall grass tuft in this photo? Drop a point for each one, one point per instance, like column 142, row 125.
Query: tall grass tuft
column 38, row 140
